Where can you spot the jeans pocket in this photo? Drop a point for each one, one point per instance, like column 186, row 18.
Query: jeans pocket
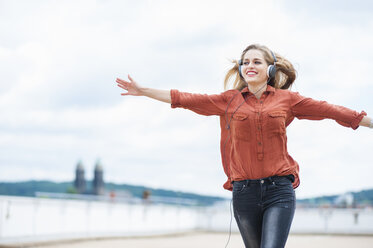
column 238, row 187
column 283, row 182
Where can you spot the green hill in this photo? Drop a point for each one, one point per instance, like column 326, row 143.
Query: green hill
column 28, row 188
column 364, row 197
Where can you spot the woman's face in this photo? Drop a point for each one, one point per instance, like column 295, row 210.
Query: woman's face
column 254, row 67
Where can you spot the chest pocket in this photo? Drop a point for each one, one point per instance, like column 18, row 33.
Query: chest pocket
column 240, row 126
column 276, row 123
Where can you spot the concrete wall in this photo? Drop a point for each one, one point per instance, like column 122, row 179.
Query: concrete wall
column 24, row 218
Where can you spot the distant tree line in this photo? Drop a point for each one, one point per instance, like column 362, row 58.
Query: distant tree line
column 28, row 188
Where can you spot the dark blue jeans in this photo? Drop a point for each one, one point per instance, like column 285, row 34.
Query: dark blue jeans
column 264, row 210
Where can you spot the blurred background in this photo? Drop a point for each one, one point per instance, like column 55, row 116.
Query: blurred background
column 62, row 112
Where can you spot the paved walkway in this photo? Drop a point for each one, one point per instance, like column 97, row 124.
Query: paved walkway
column 207, row 240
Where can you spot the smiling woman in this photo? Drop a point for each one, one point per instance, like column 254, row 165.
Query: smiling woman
column 253, row 120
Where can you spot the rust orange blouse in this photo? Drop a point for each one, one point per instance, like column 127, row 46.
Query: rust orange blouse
column 253, row 140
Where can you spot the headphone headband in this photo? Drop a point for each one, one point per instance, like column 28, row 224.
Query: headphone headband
column 274, row 57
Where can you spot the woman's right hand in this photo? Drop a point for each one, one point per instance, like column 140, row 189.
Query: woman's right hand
column 130, row 86
column 133, row 89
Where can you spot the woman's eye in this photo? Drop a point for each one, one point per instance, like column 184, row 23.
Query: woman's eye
column 255, row 62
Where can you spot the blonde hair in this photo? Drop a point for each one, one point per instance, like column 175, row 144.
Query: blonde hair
column 285, row 72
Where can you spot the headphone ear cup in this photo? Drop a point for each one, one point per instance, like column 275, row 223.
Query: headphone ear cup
column 271, row 71
column 239, row 68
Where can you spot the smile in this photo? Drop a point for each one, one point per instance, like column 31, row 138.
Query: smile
column 251, row 73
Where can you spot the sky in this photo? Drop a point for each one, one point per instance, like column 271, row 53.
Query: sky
column 59, row 103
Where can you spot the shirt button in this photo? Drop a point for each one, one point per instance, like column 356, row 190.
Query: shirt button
column 259, row 143
column 261, row 102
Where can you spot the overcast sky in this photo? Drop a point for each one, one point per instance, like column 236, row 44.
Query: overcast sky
column 59, row 103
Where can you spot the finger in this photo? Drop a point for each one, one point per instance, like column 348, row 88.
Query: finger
column 130, row 78
column 125, row 94
column 123, row 87
column 121, row 81
column 124, row 84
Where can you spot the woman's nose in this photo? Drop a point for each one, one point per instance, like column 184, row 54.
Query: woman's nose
column 250, row 65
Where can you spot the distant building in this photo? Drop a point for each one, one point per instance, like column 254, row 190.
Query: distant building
column 98, row 180
column 79, row 182
column 97, row 183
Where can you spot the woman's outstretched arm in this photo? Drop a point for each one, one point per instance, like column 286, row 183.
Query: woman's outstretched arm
column 215, row 104
column 366, row 122
column 308, row 108
column 134, row 89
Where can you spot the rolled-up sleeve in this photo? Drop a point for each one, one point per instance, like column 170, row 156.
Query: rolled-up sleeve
column 200, row 103
column 308, row 108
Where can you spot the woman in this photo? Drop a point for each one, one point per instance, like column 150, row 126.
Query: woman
column 253, row 119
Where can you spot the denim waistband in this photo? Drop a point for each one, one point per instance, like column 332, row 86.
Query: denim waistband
column 266, row 180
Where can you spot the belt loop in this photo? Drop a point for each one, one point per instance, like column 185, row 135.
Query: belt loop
column 247, row 182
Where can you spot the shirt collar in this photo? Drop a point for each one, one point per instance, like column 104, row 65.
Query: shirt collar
column 269, row 89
